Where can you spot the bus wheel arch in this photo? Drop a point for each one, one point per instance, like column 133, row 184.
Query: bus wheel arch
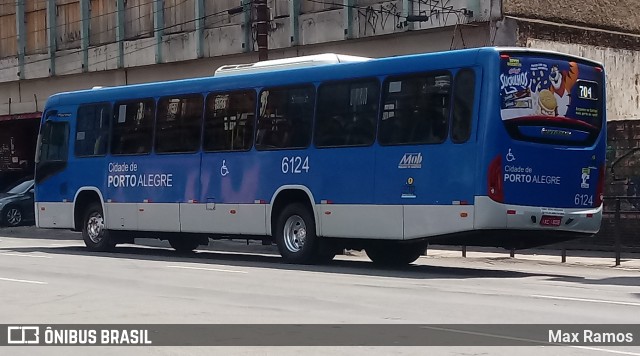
column 286, row 196
column 294, row 227
column 83, row 200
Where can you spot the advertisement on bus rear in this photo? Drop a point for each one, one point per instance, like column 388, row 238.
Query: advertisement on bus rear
column 534, row 86
column 552, row 109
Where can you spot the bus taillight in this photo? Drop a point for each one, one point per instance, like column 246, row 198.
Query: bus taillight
column 600, row 188
column 494, row 179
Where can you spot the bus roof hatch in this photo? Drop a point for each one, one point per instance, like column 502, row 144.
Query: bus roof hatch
column 287, row 63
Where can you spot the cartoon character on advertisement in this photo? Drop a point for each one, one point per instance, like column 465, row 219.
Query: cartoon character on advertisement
column 551, row 89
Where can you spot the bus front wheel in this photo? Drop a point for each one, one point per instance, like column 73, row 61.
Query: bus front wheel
column 395, row 254
column 94, row 233
column 295, row 235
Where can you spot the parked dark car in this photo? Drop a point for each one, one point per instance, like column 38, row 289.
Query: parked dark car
column 16, row 204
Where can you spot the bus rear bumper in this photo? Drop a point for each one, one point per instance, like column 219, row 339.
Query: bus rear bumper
column 519, row 227
column 493, row 215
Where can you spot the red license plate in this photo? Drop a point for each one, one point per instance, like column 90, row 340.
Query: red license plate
column 551, row 220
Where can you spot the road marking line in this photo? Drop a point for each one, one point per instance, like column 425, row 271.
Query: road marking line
column 486, row 334
column 23, row 255
column 208, row 269
column 587, row 300
column 21, row 281
column 533, row 341
column 607, row 350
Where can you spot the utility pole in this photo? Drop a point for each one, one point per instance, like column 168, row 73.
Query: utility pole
column 262, row 29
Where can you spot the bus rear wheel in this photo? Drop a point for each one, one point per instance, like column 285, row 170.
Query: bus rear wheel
column 395, row 254
column 94, row 233
column 295, row 235
column 184, row 244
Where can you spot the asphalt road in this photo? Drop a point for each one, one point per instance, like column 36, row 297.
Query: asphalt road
column 50, row 278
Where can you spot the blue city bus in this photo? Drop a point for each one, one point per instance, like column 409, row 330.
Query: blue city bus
column 480, row 147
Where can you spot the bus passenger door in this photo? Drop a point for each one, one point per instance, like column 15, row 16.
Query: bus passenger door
column 426, row 162
column 229, row 188
column 345, row 191
column 228, row 198
column 344, row 160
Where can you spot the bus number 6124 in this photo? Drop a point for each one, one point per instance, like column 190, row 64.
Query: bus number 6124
column 295, row 164
column 583, row 200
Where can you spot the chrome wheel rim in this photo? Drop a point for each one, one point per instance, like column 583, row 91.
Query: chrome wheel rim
column 14, row 216
column 295, row 233
column 95, row 225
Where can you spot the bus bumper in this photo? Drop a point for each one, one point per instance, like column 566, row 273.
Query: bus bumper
column 493, row 215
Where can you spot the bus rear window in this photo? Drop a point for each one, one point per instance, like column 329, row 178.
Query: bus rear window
column 550, row 99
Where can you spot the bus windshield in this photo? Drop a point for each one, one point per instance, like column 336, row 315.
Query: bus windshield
column 551, row 99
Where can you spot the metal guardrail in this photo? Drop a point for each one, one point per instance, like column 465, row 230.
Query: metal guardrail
column 621, row 209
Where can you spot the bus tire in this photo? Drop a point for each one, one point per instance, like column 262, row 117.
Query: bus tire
column 94, row 233
column 395, row 254
column 184, row 244
column 295, row 235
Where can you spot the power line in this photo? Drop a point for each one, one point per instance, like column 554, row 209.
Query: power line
column 15, row 3
column 141, row 48
column 100, row 45
column 432, row 6
column 102, row 15
column 441, row 8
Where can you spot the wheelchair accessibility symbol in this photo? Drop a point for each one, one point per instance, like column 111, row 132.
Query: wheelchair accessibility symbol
column 510, row 157
column 224, row 170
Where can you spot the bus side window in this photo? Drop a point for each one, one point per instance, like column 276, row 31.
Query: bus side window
column 463, row 97
column 178, row 124
column 285, row 118
column 416, row 110
column 132, row 127
column 346, row 113
column 92, row 130
column 229, row 121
